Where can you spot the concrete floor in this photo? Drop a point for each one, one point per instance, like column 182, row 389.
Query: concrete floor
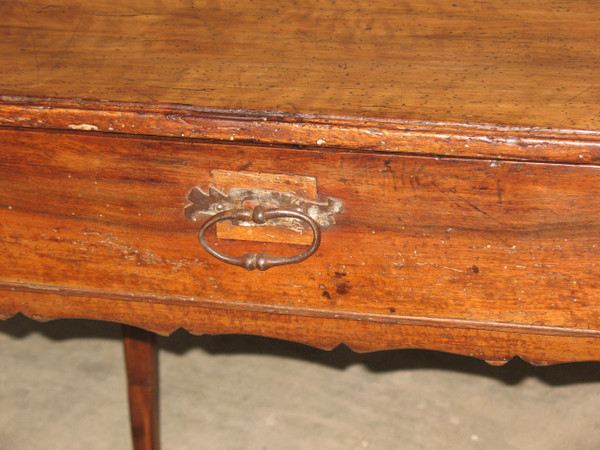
column 62, row 386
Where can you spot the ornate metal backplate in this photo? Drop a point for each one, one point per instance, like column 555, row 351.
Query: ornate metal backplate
column 284, row 229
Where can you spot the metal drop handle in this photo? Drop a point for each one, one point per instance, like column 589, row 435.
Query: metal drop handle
column 259, row 215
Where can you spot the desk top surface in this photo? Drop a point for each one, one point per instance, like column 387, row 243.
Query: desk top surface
column 518, row 63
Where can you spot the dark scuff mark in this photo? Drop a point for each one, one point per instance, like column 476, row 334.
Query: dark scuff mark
column 388, row 167
column 342, row 288
column 499, row 192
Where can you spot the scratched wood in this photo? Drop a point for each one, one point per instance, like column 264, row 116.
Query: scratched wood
column 463, row 139
column 392, row 136
column 324, row 331
column 521, row 63
column 482, row 244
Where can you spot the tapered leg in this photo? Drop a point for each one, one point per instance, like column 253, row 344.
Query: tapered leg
column 141, row 361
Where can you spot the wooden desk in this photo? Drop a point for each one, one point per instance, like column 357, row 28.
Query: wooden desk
column 447, row 154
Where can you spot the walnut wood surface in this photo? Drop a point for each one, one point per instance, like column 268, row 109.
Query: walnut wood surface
column 478, row 247
column 393, row 136
column 325, row 331
column 462, row 137
column 141, row 361
column 521, row 63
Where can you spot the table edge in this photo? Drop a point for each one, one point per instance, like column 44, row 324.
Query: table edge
column 442, row 139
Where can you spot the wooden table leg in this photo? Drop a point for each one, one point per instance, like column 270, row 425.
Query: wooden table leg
column 141, row 361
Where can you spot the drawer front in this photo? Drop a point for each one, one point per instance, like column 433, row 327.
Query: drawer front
column 466, row 243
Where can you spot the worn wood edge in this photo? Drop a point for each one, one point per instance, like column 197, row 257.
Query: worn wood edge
column 423, row 138
column 326, row 333
column 298, row 311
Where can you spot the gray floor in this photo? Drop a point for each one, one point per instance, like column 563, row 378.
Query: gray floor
column 62, row 386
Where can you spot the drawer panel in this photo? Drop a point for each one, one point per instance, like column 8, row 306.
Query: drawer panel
column 474, row 243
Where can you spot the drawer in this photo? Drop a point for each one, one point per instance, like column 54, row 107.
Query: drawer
column 448, row 243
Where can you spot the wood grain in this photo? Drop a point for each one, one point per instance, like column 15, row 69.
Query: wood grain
column 326, row 332
column 520, row 63
column 422, row 242
column 463, row 139
column 141, row 361
column 393, row 136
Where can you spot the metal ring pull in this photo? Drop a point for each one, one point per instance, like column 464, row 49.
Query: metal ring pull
column 259, row 215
